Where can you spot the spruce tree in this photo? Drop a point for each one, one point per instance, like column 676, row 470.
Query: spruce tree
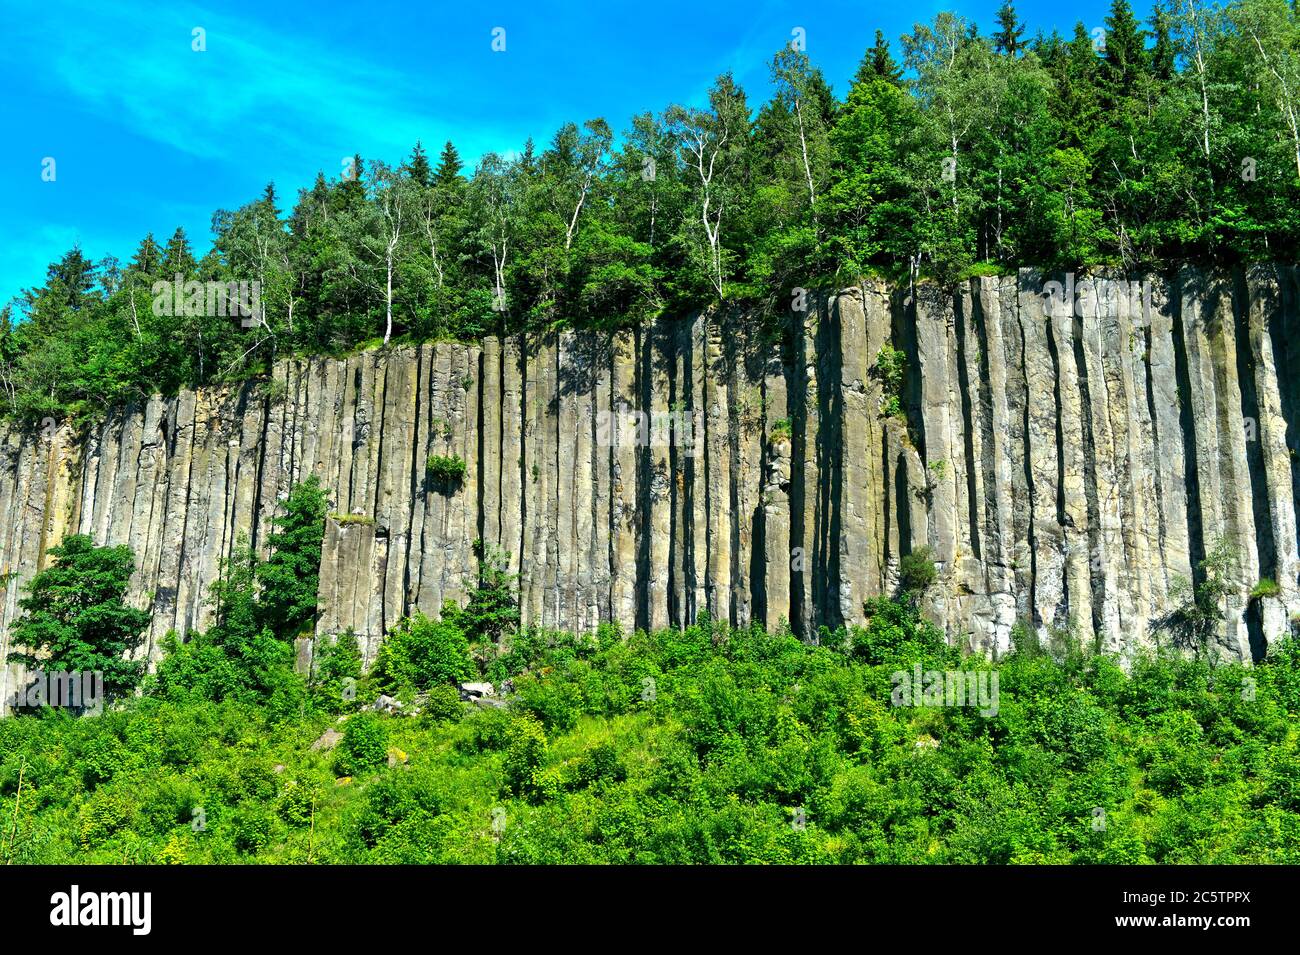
column 1125, row 58
column 290, row 577
column 178, row 258
column 449, row 165
column 269, row 200
column 878, row 64
column 417, row 167
column 1009, row 38
column 1162, row 52
column 148, row 257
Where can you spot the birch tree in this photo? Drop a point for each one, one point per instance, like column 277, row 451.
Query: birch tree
column 712, row 144
column 1272, row 33
column 391, row 200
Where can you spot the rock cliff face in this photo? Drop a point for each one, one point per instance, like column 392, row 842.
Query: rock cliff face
column 1068, row 457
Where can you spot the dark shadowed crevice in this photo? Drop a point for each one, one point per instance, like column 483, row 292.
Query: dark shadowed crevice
column 419, row 434
column 381, row 407
column 259, row 464
column 733, row 486
column 1186, row 421
column 644, row 480
column 965, row 386
column 1156, row 456
column 1284, row 330
column 1255, row 631
column 796, row 378
column 523, row 454
column 688, row 452
column 1026, row 464
column 904, row 508
column 830, row 468
column 678, row 534
column 1265, row 548
column 1096, row 573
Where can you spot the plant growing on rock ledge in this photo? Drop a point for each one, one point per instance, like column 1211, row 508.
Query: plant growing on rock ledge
column 1198, row 611
column 916, row 571
column 1267, row 587
column 890, row 367
column 445, row 470
column 493, row 608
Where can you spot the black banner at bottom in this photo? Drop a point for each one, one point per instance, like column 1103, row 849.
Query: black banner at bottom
column 150, row 905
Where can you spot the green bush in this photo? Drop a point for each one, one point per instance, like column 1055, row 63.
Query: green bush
column 420, row 653
column 1267, row 587
column 253, row 826
column 525, row 753
column 442, row 704
column 103, row 815
column 298, row 801
column 890, row 369
column 364, row 745
column 485, row 731
column 445, row 470
column 916, row 571
column 336, row 670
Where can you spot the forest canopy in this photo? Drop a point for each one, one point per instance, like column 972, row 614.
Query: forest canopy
column 951, row 152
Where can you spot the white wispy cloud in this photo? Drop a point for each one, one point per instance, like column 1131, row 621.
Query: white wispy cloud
column 247, row 98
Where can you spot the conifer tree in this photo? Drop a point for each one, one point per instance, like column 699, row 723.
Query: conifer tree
column 1009, row 38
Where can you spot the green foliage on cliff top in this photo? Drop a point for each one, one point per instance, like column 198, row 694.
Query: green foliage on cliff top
column 1173, row 144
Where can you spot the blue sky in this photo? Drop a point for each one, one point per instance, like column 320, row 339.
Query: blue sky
column 148, row 134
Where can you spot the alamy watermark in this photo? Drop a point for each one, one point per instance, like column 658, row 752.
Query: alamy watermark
column 242, row 300
column 977, row 688
column 81, row 690
column 658, row 429
column 1079, row 297
column 75, row 907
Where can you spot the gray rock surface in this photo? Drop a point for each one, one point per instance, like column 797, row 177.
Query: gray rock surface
column 1066, row 461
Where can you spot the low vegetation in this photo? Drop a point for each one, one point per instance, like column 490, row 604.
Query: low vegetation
column 707, row 744
column 446, row 470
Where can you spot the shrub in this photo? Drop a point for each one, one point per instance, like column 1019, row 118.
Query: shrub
column 298, row 802
column 557, row 703
column 1198, row 610
column 252, row 824
column 486, row 731
column 337, row 666
column 364, row 745
column 895, row 633
column 891, row 366
column 524, row 756
column 171, row 803
column 394, row 799
column 103, row 815
column 421, row 653
column 916, row 571
column 443, row 704
column 445, row 470
column 600, row 763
